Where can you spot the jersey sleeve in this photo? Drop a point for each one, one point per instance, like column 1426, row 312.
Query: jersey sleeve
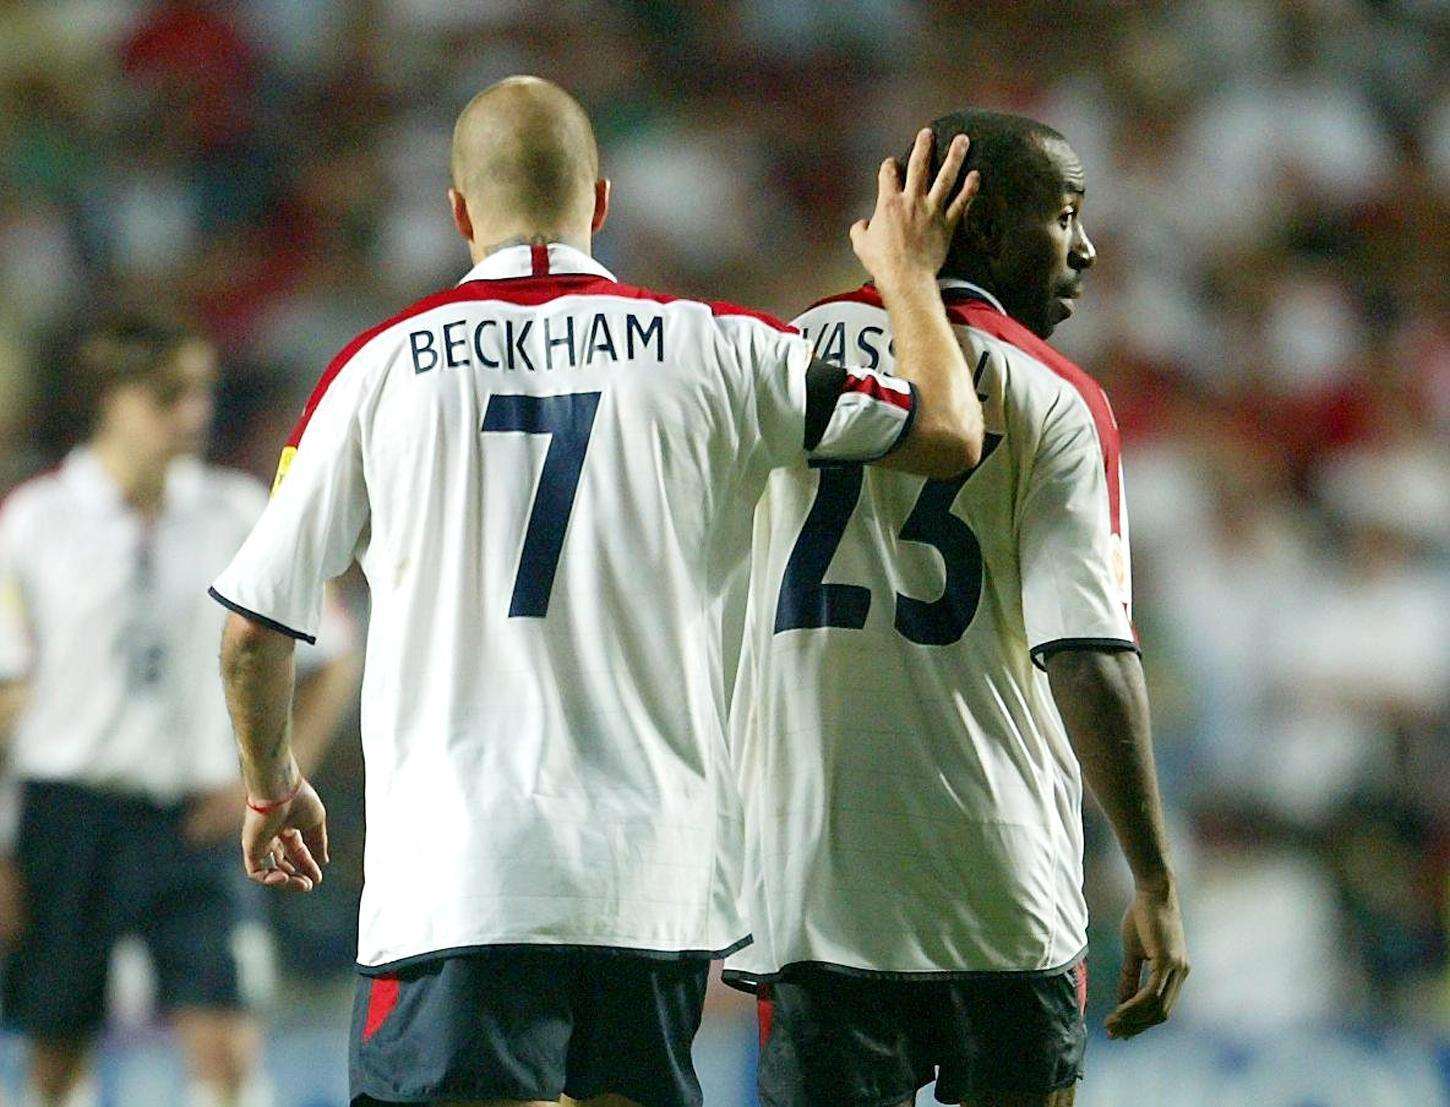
column 1072, row 540
column 15, row 628
column 309, row 530
column 806, row 408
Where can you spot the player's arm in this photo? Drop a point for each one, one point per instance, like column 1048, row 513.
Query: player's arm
column 275, row 589
column 1103, row 701
column 1076, row 596
column 903, row 246
column 284, row 831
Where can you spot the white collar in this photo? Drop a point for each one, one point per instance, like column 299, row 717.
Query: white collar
column 554, row 260
column 945, row 283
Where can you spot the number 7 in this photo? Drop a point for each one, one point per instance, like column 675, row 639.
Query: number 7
column 568, row 420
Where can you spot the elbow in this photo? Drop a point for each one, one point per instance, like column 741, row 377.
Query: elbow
column 946, row 463
column 970, row 444
column 971, row 433
column 955, row 451
column 962, row 437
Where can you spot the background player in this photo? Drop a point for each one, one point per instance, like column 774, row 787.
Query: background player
column 547, row 477
column 129, row 794
column 923, row 661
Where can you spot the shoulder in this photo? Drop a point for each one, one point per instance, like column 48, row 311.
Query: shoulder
column 37, row 512
column 350, row 362
column 1043, row 383
column 723, row 312
column 862, row 303
column 34, row 497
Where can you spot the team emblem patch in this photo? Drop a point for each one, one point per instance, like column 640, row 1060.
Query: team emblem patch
column 283, row 464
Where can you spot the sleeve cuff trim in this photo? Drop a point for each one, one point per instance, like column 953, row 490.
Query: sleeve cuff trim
column 1041, row 653
column 270, row 624
column 910, row 420
column 905, row 429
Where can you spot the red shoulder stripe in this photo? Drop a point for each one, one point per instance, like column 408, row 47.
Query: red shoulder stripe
column 984, row 317
column 866, row 294
column 717, row 307
column 724, row 307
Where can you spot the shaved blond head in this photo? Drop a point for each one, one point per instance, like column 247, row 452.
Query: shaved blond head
column 524, row 157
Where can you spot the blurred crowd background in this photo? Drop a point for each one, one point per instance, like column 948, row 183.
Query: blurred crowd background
column 1269, row 193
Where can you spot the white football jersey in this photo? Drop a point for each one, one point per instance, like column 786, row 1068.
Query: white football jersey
column 912, row 802
column 104, row 615
column 548, row 477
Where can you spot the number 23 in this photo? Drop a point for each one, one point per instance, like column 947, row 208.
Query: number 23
column 807, row 602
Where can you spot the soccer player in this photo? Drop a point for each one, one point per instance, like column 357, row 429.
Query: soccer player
column 548, row 477
column 129, row 794
column 927, row 663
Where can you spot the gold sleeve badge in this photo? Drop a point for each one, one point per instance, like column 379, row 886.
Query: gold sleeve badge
column 283, row 464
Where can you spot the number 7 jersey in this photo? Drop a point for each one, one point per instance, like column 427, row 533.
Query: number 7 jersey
column 912, row 802
column 548, row 477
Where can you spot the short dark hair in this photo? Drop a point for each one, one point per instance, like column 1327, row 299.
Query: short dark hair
column 1017, row 174
column 125, row 347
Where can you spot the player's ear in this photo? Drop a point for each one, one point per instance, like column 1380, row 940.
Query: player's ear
column 601, row 204
column 461, row 219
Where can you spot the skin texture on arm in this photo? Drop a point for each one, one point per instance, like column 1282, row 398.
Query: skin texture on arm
column 321, row 698
column 285, row 844
column 1103, row 700
column 903, row 246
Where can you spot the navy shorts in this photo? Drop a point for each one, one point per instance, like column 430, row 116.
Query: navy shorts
column 98, row 866
column 869, row 1040
column 529, row 1022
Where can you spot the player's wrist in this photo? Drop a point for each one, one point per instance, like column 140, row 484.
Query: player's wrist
column 905, row 280
column 1158, row 883
column 275, row 788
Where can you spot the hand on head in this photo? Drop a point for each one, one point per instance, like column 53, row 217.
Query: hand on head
column 910, row 232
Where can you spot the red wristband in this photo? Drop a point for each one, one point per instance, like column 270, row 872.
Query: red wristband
column 268, row 808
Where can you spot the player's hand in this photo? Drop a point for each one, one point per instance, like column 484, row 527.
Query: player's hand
column 287, row 847
column 1152, row 938
column 13, row 919
column 215, row 816
column 910, row 231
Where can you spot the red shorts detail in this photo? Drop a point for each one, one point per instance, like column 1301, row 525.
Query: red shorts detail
column 382, row 998
column 764, row 1012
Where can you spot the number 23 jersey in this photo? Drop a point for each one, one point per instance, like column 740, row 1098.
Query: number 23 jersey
column 912, row 802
